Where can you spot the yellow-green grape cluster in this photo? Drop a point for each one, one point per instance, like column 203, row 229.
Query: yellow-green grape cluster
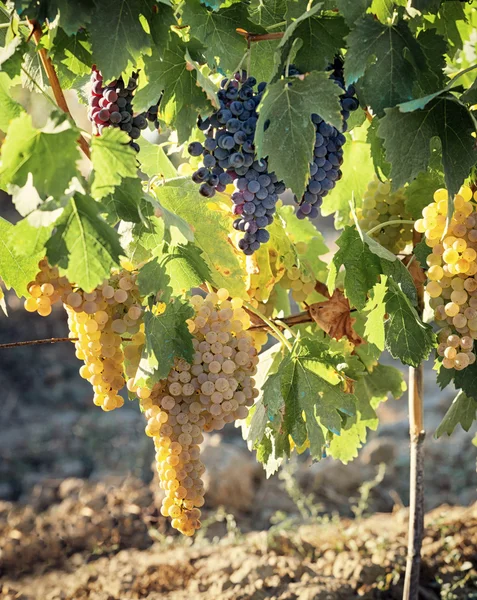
column 298, row 279
column 380, row 206
column 216, row 389
column 47, row 289
column 98, row 319
column 452, row 281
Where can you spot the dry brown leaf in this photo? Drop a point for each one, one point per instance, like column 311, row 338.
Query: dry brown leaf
column 333, row 316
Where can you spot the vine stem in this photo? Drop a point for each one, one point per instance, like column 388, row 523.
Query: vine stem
column 386, row 223
column 38, row 342
column 278, row 334
column 36, row 33
column 416, row 500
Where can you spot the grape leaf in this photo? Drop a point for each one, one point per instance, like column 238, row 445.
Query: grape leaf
column 377, row 149
column 24, row 151
column 167, row 71
column 407, row 337
column 370, row 391
column 9, row 108
column 444, row 376
column 217, row 31
column 374, row 328
column 73, row 13
column 408, row 136
column 387, row 61
column 123, row 202
column 11, row 55
column 358, row 171
column 211, row 228
column 113, row 160
column 362, row 267
column 466, row 380
column 267, row 12
column 323, row 37
column 446, row 24
column 84, row 246
column 154, row 161
column 462, row 412
column 288, row 105
column 167, row 338
column 307, row 403
column 28, row 240
column 153, row 279
column 287, row 44
column 421, row 252
column 419, row 193
column 185, row 267
column 141, row 240
column 351, row 11
column 17, row 269
column 261, row 64
column 72, row 56
column 126, row 40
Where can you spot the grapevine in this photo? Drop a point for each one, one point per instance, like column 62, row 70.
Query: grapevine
column 191, row 282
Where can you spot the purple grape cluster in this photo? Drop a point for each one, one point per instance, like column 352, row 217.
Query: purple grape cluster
column 229, row 156
column 111, row 106
column 328, row 152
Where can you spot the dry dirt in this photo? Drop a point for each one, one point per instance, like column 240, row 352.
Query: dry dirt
column 101, row 542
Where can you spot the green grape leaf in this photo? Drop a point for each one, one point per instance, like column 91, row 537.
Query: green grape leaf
column 122, row 203
column 72, row 56
column 322, row 37
column 352, row 11
column 307, row 403
column 28, row 240
column 84, row 246
column 167, row 71
column 154, row 161
column 306, row 232
column 167, row 338
column 377, row 149
column 462, row 412
column 407, row 337
column 287, row 47
column 362, row 267
column 358, row 171
column 113, row 160
column 153, row 279
column 11, row 56
column 288, row 105
column 444, row 376
column 446, row 24
column 420, row 192
column 211, row 228
column 127, row 39
column 374, row 328
column 434, row 47
column 73, row 13
column 17, row 269
column 185, row 266
column 421, row 252
column 217, row 31
column 267, row 12
column 25, row 150
column 10, row 109
column 466, row 380
column 387, row 60
column 370, row 391
column 261, row 64
column 408, row 135
column 141, row 240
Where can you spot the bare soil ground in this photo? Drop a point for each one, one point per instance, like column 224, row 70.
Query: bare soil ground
column 99, row 542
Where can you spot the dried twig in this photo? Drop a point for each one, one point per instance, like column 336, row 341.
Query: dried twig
column 38, row 342
column 36, row 33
